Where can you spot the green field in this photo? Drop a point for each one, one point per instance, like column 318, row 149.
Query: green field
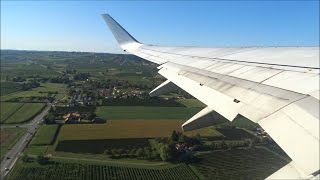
column 9, row 87
column 256, row 163
column 100, row 145
column 78, row 171
column 191, row 103
column 36, row 150
column 45, row 135
column 145, row 112
column 12, row 69
column 8, row 109
column 41, row 91
column 8, row 138
column 96, row 138
column 118, row 129
column 24, row 113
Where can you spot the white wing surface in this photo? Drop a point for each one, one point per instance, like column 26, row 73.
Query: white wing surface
column 276, row 87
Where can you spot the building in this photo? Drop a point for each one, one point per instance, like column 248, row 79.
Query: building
column 73, row 117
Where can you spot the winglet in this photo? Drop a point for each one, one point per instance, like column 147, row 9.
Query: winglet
column 121, row 35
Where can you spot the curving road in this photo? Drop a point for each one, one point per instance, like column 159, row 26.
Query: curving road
column 11, row 157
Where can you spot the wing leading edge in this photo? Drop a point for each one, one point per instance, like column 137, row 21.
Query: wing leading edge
column 277, row 88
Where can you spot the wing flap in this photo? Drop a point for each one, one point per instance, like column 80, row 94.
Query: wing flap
column 296, row 130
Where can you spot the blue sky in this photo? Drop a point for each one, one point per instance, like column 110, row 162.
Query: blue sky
column 78, row 26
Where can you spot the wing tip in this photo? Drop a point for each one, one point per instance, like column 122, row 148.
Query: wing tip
column 121, row 35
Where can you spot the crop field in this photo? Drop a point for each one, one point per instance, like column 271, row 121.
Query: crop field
column 58, row 170
column 8, row 109
column 9, row 87
column 100, row 145
column 41, row 91
column 118, row 129
column 24, row 113
column 243, row 122
column 96, row 138
column 239, row 164
column 45, row 135
column 24, row 68
column 145, row 112
column 8, row 137
column 191, row 103
column 234, row 133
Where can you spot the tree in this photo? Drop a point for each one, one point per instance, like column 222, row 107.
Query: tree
column 91, row 115
column 132, row 153
column 113, row 152
column 49, row 119
column 182, row 138
column 147, row 153
column 25, row 158
column 154, row 155
column 121, row 152
column 164, row 152
column 224, row 145
column 139, row 152
column 42, row 160
column 174, row 136
column 107, row 151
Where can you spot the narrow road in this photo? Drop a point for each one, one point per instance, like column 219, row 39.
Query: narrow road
column 11, row 157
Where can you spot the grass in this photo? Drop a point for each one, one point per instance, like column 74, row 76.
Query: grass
column 8, row 138
column 8, row 109
column 255, row 163
column 45, row 135
column 116, row 129
column 145, row 112
column 36, row 150
column 25, row 113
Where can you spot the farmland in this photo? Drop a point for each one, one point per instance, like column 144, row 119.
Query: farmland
column 191, row 103
column 119, row 134
column 100, row 145
column 234, row 134
column 8, row 109
column 117, row 129
column 9, row 87
column 43, row 91
column 115, row 88
column 19, row 114
column 8, row 137
column 11, row 68
column 63, row 170
column 145, row 112
column 239, row 164
column 45, row 135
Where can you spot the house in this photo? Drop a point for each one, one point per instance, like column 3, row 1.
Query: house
column 73, row 117
column 180, row 146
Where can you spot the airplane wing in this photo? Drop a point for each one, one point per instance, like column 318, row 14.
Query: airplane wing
column 276, row 87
